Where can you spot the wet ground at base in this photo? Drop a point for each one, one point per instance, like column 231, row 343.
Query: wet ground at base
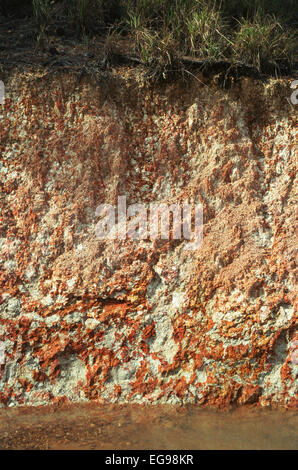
column 160, row 427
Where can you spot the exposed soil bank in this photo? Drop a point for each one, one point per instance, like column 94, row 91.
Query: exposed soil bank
column 141, row 321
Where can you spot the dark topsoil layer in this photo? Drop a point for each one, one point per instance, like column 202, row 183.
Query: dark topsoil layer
column 63, row 49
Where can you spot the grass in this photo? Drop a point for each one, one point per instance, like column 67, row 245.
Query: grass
column 42, row 11
column 192, row 26
column 262, row 39
column 255, row 32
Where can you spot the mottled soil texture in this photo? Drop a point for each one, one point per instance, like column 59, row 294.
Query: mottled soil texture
column 132, row 321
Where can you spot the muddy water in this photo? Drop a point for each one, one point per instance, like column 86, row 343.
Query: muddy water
column 138, row 427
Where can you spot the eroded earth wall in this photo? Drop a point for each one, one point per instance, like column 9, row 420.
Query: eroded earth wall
column 147, row 321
